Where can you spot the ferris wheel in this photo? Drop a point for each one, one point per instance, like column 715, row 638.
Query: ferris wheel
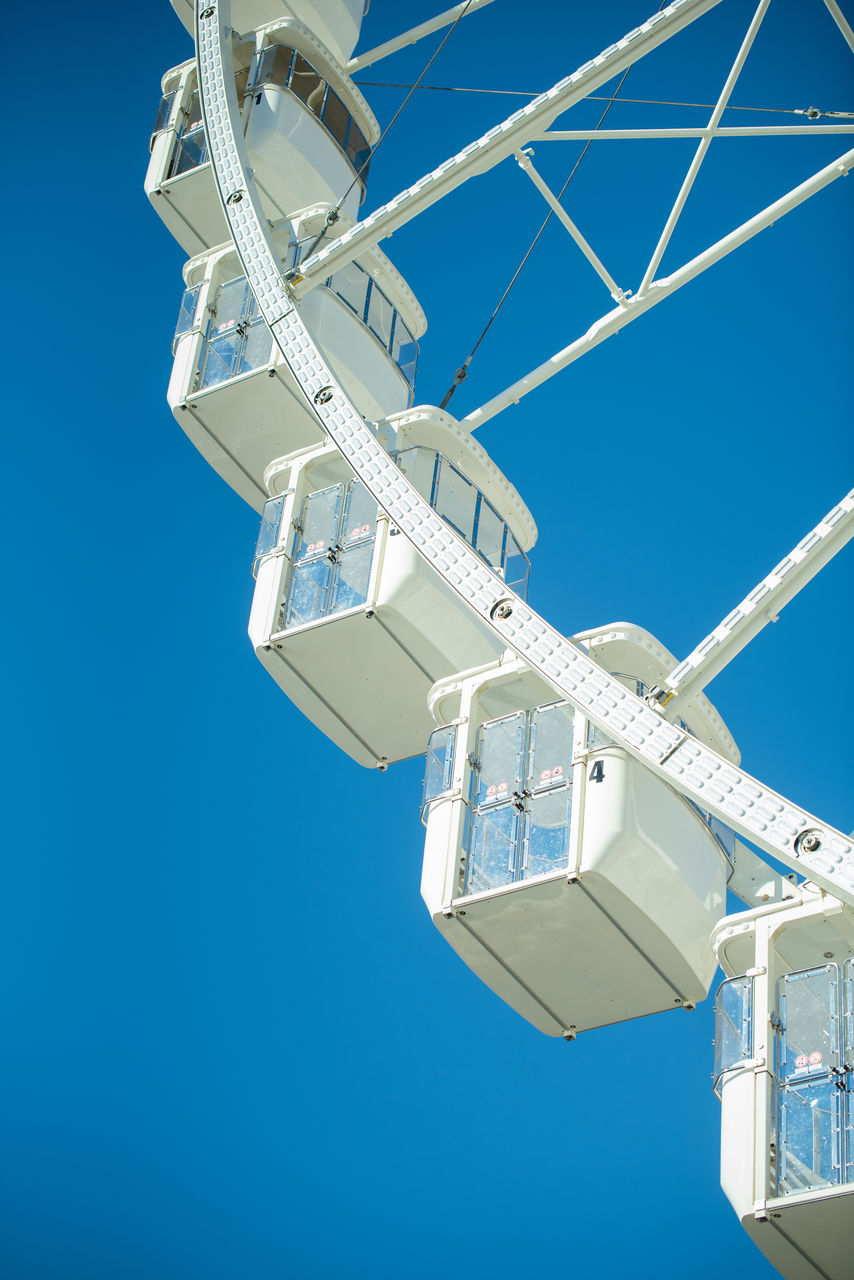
column 584, row 804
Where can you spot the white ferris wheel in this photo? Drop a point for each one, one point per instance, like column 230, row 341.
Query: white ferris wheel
column 585, row 805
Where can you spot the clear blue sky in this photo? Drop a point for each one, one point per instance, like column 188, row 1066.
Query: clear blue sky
column 235, row 1045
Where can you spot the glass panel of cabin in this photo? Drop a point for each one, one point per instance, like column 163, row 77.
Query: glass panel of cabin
column 271, row 519
column 164, row 111
column 186, row 313
column 317, row 531
column 489, row 537
column 230, row 304
column 733, row 1026
column 358, row 150
column 808, row 1041
column 809, row 1131
column 516, row 567
column 308, row 591
column 550, row 750
column 350, row 283
column 307, row 84
column 499, row 755
column 360, row 515
column 546, row 835
column 380, row 316
column 404, row 350
column 336, row 117
column 257, row 348
column 219, row 359
column 352, row 577
column 276, row 66
column 455, row 500
column 492, row 848
column 420, row 466
column 439, row 770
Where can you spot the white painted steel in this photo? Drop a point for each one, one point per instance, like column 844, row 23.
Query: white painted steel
column 841, row 22
column 615, row 320
column 727, row 131
column 700, row 153
column 504, row 139
column 761, row 605
column 524, row 161
column 754, row 810
column 445, row 19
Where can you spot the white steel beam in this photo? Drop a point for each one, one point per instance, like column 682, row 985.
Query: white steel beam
column 445, row 19
column 615, row 320
column 524, row 160
column 841, row 22
column 499, row 143
column 734, row 131
column 761, row 606
column 700, row 153
column 782, row 829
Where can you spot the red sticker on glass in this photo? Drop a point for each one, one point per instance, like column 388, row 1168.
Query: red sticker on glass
column 801, row 1060
column 815, row 1059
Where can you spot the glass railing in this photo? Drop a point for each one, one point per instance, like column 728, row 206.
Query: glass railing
column 362, row 294
column 733, row 1027
column 290, row 70
column 462, row 505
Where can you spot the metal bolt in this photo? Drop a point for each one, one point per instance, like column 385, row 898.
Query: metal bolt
column 234, row 198
column 209, row 12
column 324, row 395
column 503, row 609
column 808, row 842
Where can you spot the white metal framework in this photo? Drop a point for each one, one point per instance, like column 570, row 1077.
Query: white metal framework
column 759, row 814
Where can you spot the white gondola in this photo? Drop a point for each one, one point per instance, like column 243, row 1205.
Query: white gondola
column 347, row 617
column 784, row 1072
column 307, row 127
column 578, row 886
column 231, row 390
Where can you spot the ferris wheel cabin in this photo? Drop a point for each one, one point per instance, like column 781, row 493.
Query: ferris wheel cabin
column 784, row 1073
column 577, row 885
column 231, row 390
column 307, row 127
column 348, row 619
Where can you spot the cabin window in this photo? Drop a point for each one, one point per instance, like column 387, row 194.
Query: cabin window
column 164, row 114
column 332, row 552
column 815, row 1091
column 520, row 798
column 186, row 314
column 463, row 506
column 362, row 294
column 733, row 1026
column 439, row 772
column 268, row 534
column 191, row 148
column 291, row 70
column 237, row 339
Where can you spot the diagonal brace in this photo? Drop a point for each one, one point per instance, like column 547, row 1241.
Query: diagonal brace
column 523, row 158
